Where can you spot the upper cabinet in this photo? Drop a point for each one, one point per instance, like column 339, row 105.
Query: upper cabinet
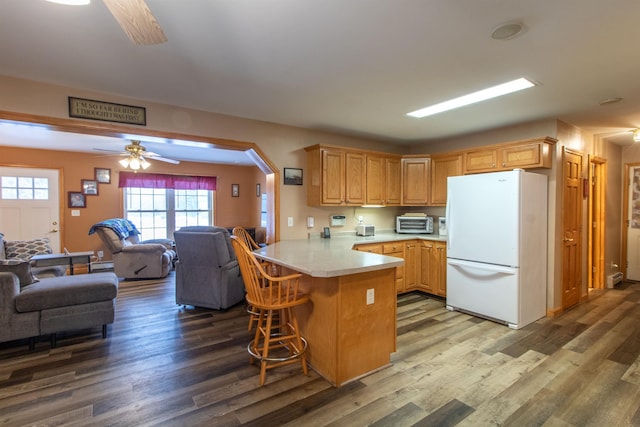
column 347, row 177
column 336, row 177
column 532, row 153
column 415, row 181
column 383, row 181
column 442, row 167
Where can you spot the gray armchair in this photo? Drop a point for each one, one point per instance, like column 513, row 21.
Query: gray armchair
column 133, row 259
column 207, row 271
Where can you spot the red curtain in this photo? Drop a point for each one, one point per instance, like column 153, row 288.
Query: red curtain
column 158, row 180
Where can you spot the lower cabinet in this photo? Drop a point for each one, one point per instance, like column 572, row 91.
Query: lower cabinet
column 425, row 264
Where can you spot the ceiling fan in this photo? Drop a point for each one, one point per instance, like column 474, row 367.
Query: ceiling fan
column 137, row 21
column 136, row 156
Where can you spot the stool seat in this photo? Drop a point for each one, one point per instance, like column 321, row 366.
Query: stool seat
column 273, row 299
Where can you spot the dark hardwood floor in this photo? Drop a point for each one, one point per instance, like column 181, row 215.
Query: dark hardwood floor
column 166, row 365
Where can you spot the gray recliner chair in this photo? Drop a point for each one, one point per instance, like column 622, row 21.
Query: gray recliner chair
column 207, row 271
column 133, row 259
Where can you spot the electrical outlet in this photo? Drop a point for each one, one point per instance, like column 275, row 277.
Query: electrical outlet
column 370, row 296
column 310, row 222
column 100, row 254
column 360, row 219
column 290, row 221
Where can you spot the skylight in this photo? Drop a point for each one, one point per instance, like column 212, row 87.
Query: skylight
column 472, row 98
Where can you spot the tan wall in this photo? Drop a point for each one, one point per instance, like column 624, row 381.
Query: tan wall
column 284, row 146
column 229, row 211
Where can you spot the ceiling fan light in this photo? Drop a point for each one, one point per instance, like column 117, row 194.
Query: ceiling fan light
column 636, row 135
column 144, row 163
column 134, row 163
column 124, row 162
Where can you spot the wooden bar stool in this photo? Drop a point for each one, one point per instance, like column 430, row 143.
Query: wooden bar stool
column 246, row 238
column 277, row 339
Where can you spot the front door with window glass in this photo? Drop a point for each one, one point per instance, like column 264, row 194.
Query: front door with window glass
column 30, row 204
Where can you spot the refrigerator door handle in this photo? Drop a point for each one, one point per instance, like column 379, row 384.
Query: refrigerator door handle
column 485, row 267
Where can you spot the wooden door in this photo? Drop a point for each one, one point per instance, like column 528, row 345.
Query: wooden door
column 597, row 222
column 355, row 188
column 30, row 204
column 571, row 227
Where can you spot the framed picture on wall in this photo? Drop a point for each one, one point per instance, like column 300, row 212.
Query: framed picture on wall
column 103, row 176
column 292, row 176
column 77, row 200
column 235, row 190
column 90, row 187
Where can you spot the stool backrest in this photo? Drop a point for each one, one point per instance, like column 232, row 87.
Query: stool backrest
column 265, row 291
column 246, row 238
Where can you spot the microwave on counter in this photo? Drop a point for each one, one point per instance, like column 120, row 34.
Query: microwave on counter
column 414, row 224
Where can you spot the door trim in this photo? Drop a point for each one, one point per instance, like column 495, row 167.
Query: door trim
column 625, row 216
column 596, row 223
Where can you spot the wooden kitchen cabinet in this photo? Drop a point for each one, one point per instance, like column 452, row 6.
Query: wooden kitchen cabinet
column 427, row 277
column 410, row 265
column 396, row 249
column 441, row 262
column 526, row 154
column 393, row 184
column 442, row 167
column 433, row 267
column 374, row 248
column 415, row 181
column 383, row 180
column 336, row 177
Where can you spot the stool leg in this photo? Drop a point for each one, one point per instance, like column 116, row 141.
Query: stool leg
column 265, row 349
column 303, row 357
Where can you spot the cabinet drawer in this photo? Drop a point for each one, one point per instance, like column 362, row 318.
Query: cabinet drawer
column 388, row 248
column 375, row 249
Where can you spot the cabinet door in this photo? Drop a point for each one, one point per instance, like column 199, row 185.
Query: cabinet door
column 410, row 267
column 527, row 155
column 428, row 273
column 442, row 168
column 393, row 181
column 333, row 163
column 441, row 264
column 355, row 166
column 397, row 250
column 480, row 161
column 415, row 182
column 376, row 180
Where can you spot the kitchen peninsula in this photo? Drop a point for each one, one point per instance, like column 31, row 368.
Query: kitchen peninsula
column 350, row 322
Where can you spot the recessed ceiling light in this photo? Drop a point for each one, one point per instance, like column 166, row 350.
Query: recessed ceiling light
column 71, row 2
column 481, row 95
column 507, row 31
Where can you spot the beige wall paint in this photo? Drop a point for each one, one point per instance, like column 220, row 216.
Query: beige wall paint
column 284, row 146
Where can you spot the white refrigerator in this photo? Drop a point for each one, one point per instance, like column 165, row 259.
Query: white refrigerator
column 497, row 246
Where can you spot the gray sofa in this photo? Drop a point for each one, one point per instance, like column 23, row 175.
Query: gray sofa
column 55, row 304
column 207, row 271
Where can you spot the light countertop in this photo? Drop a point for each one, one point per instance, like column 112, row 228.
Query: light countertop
column 333, row 257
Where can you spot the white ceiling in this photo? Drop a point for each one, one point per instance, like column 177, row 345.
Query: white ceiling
column 354, row 67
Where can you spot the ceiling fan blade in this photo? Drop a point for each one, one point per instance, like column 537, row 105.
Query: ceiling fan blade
column 137, row 21
column 164, row 159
